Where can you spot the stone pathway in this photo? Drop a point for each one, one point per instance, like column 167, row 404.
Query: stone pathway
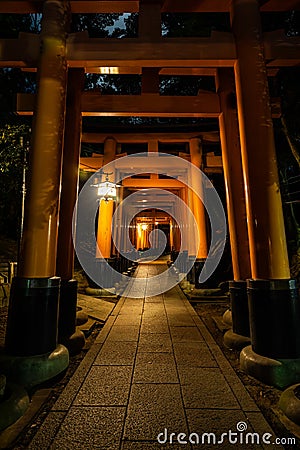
column 154, row 370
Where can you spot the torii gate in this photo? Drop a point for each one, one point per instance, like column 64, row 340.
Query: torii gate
column 240, row 62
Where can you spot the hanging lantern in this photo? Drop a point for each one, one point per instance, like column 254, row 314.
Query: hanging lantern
column 106, row 190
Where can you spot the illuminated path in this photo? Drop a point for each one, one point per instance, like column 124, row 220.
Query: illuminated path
column 154, row 366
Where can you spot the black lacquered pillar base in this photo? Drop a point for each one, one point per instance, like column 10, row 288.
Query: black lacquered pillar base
column 67, row 308
column 239, row 307
column 32, row 353
column 274, row 310
column 198, row 265
column 191, row 274
column 68, row 335
column 33, row 316
column 239, row 336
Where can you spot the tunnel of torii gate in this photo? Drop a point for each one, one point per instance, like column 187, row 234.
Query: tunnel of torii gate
column 240, row 61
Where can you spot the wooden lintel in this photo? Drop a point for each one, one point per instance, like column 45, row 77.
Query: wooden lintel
column 21, row 52
column 139, row 138
column 213, row 161
column 92, row 163
column 165, row 71
column 143, row 183
column 120, row 6
column 212, row 169
column 188, row 71
column 219, row 49
column 180, row 53
column 209, row 6
column 121, row 70
column 77, row 6
column 149, row 105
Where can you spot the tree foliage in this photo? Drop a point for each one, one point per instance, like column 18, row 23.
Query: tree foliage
column 12, row 24
column 194, row 24
column 14, row 138
column 96, row 25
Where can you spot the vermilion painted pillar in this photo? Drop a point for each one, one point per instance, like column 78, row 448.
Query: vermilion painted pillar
column 33, row 311
column 236, row 209
column 104, row 228
column 190, row 226
column 273, row 304
column 70, row 174
column 269, row 259
column 198, row 206
column 233, row 175
column 69, row 188
column 198, row 209
column 106, row 207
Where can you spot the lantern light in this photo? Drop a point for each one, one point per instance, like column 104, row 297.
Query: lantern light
column 107, row 190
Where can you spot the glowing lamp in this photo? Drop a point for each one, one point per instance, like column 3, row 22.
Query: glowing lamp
column 107, row 191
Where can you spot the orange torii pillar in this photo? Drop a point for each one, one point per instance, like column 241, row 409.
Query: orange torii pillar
column 104, row 229
column 124, row 233
column 198, row 209
column 67, row 334
column 106, row 209
column 238, row 337
column 120, row 231
column 190, row 226
column 118, row 225
column 177, row 227
column 33, row 307
column 171, row 235
column 191, row 243
column 273, row 299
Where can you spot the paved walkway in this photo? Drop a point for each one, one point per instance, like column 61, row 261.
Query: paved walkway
column 153, row 367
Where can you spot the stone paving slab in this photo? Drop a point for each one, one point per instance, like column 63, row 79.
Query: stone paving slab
column 153, row 407
column 155, row 368
column 153, row 371
column 206, row 387
column 154, row 327
column 95, row 307
column 66, row 398
column 105, row 386
column 119, row 354
column 155, row 342
column 128, row 320
column 90, row 428
column 124, row 333
column 193, row 354
column 185, row 334
column 155, row 299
